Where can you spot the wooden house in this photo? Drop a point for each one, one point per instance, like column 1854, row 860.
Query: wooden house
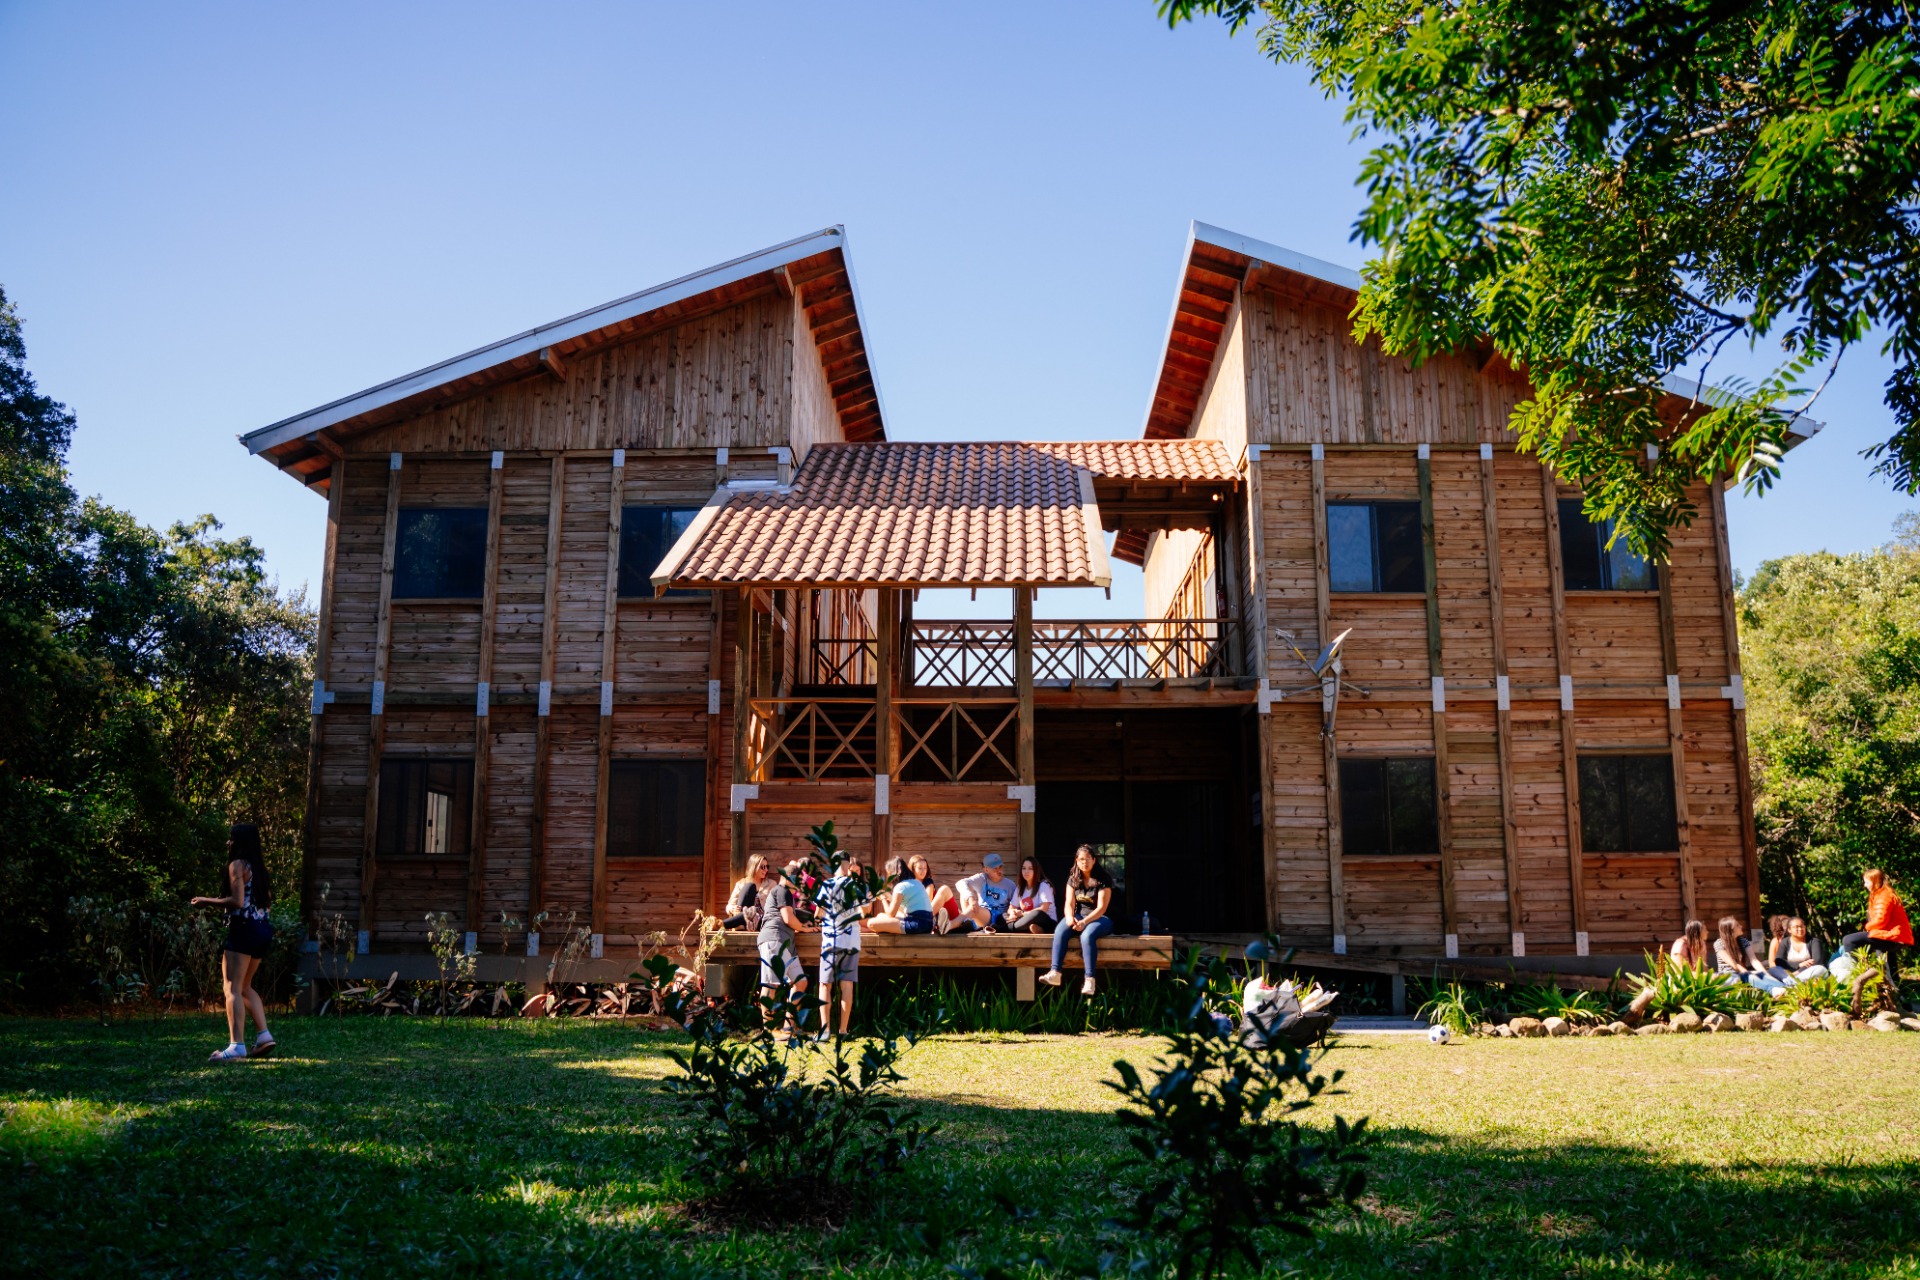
column 614, row 604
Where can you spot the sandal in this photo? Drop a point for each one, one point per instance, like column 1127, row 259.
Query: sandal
column 262, row 1046
column 232, row 1053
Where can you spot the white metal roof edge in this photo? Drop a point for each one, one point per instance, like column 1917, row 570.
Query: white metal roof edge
column 1679, row 384
column 573, row 326
column 866, row 337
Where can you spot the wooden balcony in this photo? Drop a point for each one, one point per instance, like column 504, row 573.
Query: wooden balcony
column 827, row 739
column 1072, row 653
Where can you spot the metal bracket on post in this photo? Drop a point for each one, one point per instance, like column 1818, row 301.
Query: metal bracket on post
column 1440, row 693
column 713, row 697
column 1266, row 696
column 1520, row 944
column 606, row 697
column 499, row 459
column 472, row 942
column 595, row 945
column 1735, row 693
column 1581, row 947
column 1673, row 692
column 480, row 700
column 378, row 705
column 620, row 458
column 1453, row 946
column 1339, row 944
column 1022, row 793
column 546, row 697
column 360, row 941
column 533, row 943
column 321, row 697
column 743, row 792
column 1486, row 452
column 1566, row 693
column 1502, row 694
column 882, row 799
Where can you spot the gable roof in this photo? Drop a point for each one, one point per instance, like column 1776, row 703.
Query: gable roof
column 815, row 266
column 972, row 514
column 1216, row 265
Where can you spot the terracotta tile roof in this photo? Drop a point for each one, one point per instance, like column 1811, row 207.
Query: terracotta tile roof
column 1152, row 460
column 904, row 514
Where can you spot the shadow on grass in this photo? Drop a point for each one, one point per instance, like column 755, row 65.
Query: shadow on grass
column 407, row 1148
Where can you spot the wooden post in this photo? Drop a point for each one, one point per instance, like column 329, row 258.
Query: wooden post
column 482, row 735
column 1436, row 668
column 1023, row 691
column 1749, row 838
column 1676, row 744
column 1336, row 845
column 322, row 653
column 609, row 658
column 742, row 716
column 1256, row 623
column 1502, row 714
column 377, row 720
column 543, row 731
column 885, row 741
column 709, row 840
column 1563, row 663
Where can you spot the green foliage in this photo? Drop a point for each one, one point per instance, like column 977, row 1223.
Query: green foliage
column 1214, row 1129
column 154, row 691
column 1545, row 1000
column 1126, row 1002
column 1828, row 994
column 1454, row 1005
column 1830, row 646
column 1608, row 195
column 1678, row 988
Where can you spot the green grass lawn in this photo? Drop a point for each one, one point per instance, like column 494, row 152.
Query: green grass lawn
column 407, row 1148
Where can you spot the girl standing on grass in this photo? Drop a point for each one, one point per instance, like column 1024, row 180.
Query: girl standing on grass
column 249, row 936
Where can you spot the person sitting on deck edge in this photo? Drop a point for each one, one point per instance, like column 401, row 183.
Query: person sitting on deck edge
column 903, row 908
column 984, row 898
column 1089, row 894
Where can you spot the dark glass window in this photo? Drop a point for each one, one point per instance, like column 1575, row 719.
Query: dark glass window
column 646, row 535
column 656, row 808
column 1387, row 807
column 1375, row 546
column 440, row 553
column 1590, row 564
column 426, row 808
column 1626, row 805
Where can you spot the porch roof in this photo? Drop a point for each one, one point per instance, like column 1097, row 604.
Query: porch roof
column 912, row 514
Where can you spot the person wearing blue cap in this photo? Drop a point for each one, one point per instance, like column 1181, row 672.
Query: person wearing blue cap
column 984, row 898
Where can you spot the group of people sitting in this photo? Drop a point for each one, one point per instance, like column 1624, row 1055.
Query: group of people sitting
column 781, row 904
column 1792, row 955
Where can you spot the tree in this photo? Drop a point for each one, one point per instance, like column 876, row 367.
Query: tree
column 1831, row 651
column 153, row 692
column 1607, row 194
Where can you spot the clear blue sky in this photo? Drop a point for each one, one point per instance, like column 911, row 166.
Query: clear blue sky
column 221, row 215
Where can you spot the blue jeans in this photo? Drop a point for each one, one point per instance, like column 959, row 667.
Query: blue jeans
column 1089, row 938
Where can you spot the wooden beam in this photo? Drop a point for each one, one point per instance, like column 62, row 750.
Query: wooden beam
column 316, row 732
column 743, row 624
column 886, row 743
column 1502, row 715
column 543, row 722
column 1730, row 628
column 482, row 732
column 1255, row 551
column 377, row 723
column 1436, row 668
column 609, row 658
column 551, row 362
column 1023, row 693
column 1677, row 746
column 710, row 852
column 1336, row 845
column 1563, row 664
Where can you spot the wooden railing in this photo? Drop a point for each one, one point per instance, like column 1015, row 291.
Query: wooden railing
column 810, row 739
column 937, row 739
column 957, row 740
column 843, row 661
column 974, row 655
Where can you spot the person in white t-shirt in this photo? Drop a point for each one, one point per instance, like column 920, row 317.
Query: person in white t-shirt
column 1033, row 905
column 843, row 898
column 984, row 898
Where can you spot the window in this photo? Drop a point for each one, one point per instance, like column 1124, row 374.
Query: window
column 440, row 553
column 1375, row 546
column 1590, row 564
column 646, row 535
column 656, row 808
column 1387, row 807
column 1626, row 804
column 426, row 808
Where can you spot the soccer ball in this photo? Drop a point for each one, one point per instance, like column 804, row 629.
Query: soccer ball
column 1439, row 1033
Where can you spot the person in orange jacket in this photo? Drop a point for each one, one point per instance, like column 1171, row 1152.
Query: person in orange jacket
column 1888, row 930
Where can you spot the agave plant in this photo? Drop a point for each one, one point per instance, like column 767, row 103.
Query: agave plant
column 1681, row 988
column 1545, row 1000
column 1828, row 994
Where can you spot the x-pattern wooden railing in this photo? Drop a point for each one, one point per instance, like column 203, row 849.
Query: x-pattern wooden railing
column 958, row 737
column 962, row 655
column 844, row 661
column 808, row 739
column 1162, row 649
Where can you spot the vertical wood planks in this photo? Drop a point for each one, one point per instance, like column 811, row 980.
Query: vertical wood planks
column 1749, row 838
column 377, row 731
column 1503, row 713
column 482, row 733
column 1023, row 692
column 322, row 650
column 1436, row 669
column 1336, row 849
column 1569, row 759
column 543, row 722
column 609, row 633
column 1676, row 743
column 711, row 868
column 885, row 741
column 742, row 690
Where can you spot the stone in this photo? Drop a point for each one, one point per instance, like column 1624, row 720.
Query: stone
column 1486, row 1029
column 1717, row 1022
column 1654, row 1029
column 1618, row 1029
column 1911, row 1024
column 1834, row 1021
column 1684, row 1021
column 1858, row 1024
column 1804, row 1019
column 1556, row 1026
column 1604, row 1029
column 1528, row 1027
column 1781, row 1022
column 1751, row 1021
column 1885, row 1021
column 1504, row 1031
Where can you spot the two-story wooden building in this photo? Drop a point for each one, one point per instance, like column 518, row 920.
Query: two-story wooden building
column 613, row 604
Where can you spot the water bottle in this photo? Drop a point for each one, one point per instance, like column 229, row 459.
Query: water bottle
column 1146, row 923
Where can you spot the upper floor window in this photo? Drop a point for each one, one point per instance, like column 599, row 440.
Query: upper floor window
column 1590, row 564
column 1375, row 546
column 1626, row 804
column 426, row 808
column 440, row 553
column 1387, row 807
column 647, row 533
column 656, row 808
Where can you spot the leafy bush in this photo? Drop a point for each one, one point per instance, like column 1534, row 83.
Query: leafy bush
column 1545, row 1000
column 1215, row 1135
column 1676, row 988
column 988, row 1005
column 1453, row 1005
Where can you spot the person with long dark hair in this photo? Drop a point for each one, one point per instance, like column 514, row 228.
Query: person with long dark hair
column 249, row 936
column 1089, row 894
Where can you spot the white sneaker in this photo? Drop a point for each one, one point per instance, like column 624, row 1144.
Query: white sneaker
column 1051, row 977
column 1086, row 988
